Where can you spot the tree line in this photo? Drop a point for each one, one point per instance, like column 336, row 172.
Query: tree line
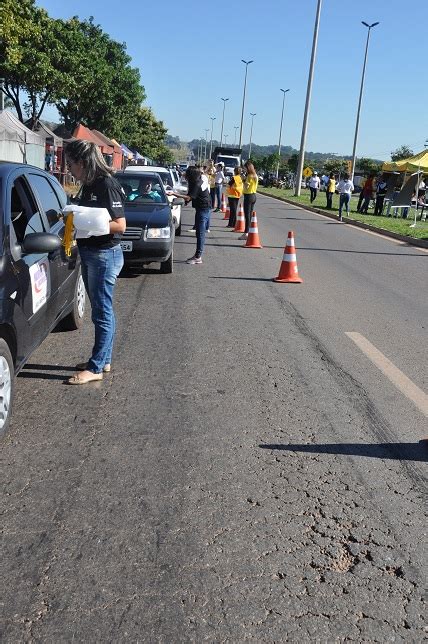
column 75, row 66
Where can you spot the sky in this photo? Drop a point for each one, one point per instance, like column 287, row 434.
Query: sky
column 189, row 55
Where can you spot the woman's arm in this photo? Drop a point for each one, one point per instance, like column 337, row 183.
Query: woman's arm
column 118, row 225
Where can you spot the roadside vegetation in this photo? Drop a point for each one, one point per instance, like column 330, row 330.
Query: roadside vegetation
column 399, row 225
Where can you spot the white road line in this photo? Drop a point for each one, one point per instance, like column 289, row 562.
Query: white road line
column 397, row 377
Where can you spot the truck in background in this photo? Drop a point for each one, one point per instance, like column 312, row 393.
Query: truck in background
column 229, row 157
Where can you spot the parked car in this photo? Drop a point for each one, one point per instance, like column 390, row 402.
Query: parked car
column 40, row 285
column 169, row 183
column 150, row 230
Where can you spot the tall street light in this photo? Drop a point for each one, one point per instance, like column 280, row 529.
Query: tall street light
column 252, row 114
column 357, row 124
column 235, row 127
column 225, row 140
column 246, row 63
column 308, row 101
column 206, row 143
column 211, row 142
column 284, row 91
column 222, row 119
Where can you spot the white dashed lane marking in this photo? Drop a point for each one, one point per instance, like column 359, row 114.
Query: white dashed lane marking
column 397, row 377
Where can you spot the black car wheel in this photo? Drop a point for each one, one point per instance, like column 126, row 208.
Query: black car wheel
column 74, row 320
column 167, row 267
column 7, row 385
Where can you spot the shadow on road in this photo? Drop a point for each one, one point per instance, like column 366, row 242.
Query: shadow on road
column 394, row 451
column 48, row 367
column 248, row 279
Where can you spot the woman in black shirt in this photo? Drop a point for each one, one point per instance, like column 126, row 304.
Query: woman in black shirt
column 199, row 194
column 101, row 256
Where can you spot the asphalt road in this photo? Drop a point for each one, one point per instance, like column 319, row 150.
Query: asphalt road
column 248, row 471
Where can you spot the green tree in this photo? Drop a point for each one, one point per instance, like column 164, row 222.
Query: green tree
column 293, row 162
column 368, row 166
column 403, row 152
column 335, row 165
column 149, row 135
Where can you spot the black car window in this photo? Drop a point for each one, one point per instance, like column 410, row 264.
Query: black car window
column 25, row 218
column 47, row 197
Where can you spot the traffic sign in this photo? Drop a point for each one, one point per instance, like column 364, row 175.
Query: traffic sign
column 307, row 172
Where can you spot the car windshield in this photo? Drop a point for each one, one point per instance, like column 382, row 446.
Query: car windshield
column 166, row 179
column 230, row 162
column 143, row 189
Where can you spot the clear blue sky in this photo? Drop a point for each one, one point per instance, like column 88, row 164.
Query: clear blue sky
column 189, row 53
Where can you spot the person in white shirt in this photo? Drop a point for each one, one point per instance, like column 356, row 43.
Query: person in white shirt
column 314, row 185
column 219, row 180
column 345, row 189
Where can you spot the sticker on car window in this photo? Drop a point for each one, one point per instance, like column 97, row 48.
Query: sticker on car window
column 39, row 274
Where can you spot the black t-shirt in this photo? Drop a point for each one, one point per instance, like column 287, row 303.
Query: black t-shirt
column 200, row 194
column 104, row 192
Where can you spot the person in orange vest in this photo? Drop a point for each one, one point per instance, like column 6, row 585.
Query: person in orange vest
column 234, row 192
column 250, row 195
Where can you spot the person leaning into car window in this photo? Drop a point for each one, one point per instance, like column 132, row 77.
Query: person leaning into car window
column 101, row 257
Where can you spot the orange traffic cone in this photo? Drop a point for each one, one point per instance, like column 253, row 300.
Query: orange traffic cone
column 223, row 203
column 240, row 221
column 253, row 239
column 227, row 213
column 288, row 269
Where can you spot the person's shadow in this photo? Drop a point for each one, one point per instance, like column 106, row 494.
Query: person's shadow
column 394, row 451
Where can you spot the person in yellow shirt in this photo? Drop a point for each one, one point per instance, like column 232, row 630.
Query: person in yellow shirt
column 330, row 190
column 233, row 193
column 250, row 195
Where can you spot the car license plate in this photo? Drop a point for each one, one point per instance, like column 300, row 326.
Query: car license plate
column 126, row 246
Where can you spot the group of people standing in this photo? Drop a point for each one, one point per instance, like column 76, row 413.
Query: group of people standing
column 205, row 190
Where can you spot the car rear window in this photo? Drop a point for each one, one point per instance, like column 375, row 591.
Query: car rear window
column 142, row 188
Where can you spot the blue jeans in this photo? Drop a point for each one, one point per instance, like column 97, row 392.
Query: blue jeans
column 100, row 268
column 344, row 200
column 218, row 192
column 202, row 219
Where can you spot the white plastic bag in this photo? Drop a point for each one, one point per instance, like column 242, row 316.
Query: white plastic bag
column 89, row 222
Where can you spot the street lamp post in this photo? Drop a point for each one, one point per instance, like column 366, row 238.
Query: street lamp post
column 308, row 101
column 222, row 119
column 236, row 127
column 211, row 142
column 357, row 124
column 206, row 143
column 252, row 114
column 284, row 91
column 225, row 140
column 246, row 63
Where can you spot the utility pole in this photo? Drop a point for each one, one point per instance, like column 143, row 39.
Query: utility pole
column 284, row 91
column 246, row 63
column 206, row 143
column 211, row 142
column 357, row 124
column 252, row 114
column 308, row 100
column 222, row 120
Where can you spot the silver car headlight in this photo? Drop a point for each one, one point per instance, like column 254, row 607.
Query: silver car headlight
column 158, row 233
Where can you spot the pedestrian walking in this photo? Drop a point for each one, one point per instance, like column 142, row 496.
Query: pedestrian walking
column 199, row 194
column 101, row 257
column 380, row 196
column 250, row 195
column 234, row 192
column 314, row 185
column 368, row 192
column 219, row 181
column 330, row 190
column 345, row 189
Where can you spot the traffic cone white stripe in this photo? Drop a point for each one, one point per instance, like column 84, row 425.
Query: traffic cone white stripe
column 289, row 257
column 290, row 241
column 253, row 230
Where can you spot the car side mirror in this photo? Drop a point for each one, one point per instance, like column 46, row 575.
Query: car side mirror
column 40, row 243
column 178, row 201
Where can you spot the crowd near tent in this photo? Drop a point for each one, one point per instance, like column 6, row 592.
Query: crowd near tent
column 412, row 164
column 18, row 143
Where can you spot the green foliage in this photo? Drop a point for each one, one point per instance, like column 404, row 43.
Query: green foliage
column 293, row 162
column 368, row 166
column 403, row 152
column 149, row 136
column 335, row 165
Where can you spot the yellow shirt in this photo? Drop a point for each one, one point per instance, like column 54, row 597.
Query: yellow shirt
column 211, row 178
column 250, row 185
column 235, row 191
column 331, row 186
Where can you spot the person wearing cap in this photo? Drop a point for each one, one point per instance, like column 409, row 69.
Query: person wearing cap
column 314, row 185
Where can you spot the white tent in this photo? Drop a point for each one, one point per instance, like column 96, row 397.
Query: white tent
column 18, row 143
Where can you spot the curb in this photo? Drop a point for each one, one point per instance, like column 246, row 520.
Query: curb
column 421, row 243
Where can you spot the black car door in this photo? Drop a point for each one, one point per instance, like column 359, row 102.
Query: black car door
column 51, row 199
column 32, row 273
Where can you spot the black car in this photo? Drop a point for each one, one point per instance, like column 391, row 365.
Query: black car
column 39, row 285
column 150, row 232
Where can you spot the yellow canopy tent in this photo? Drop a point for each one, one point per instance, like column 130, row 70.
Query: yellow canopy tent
column 412, row 164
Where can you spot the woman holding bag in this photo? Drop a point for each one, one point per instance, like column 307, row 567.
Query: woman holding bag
column 101, row 256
